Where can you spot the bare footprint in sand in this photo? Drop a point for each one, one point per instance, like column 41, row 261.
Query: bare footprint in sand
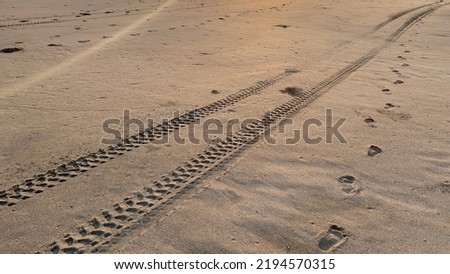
column 334, row 238
column 398, row 82
column 370, row 121
column 348, row 185
column 386, row 91
column 389, row 106
column 374, row 151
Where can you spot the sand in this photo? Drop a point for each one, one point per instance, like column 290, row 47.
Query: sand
column 156, row 57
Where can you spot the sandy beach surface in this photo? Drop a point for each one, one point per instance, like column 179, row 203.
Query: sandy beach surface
column 381, row 184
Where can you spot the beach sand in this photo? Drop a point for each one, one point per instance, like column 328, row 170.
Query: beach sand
column 384, row 190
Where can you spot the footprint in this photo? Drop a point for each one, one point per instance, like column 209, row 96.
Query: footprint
column 405, row 65
column 291, row 70
column 390, row 105
column 84, row 41
column 282, row 26
column 398, row 82
column 214, row 91
column 374, row 151
column 348, row 184
column 54, row 45
column 444, row 187
column 333, row 239
column 370, row 121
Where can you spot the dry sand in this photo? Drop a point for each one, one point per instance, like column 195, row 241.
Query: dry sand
column 156, row 57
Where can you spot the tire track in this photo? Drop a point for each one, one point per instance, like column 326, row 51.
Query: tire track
column 41, row 182
column 104, row 229
column 23, row 22
column 74, row 15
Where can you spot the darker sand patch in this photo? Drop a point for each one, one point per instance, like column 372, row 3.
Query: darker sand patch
column 394, row 115
column 11, row 50
column 334, row 238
